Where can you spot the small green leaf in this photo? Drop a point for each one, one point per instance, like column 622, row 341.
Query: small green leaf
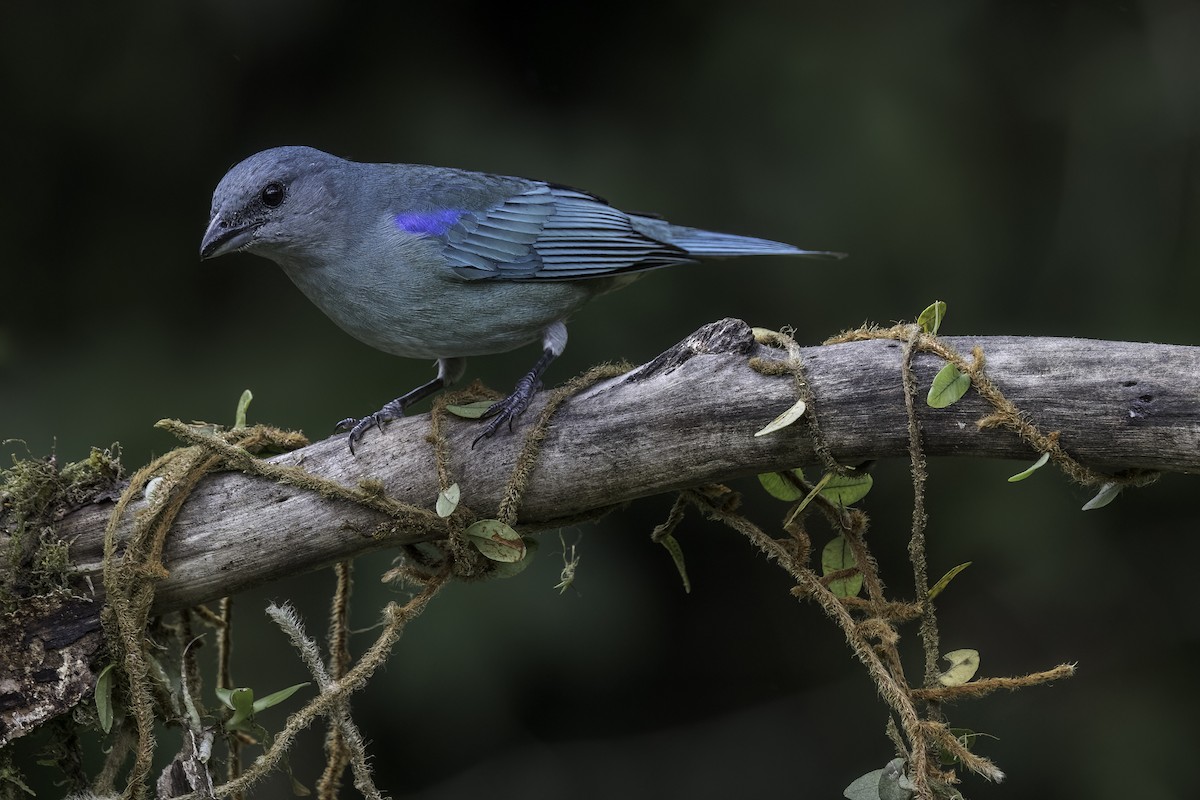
column 864, row 787
column 944, row 581
column 889, row 783
column 798, row 509
column 471, row 410
column 963, row 666
column 931, row 318
column 447, row 500
column 783, row 420
column 242, row 702
column 508, row 569
column 780, row 487
column 104, row 709
column 275, row 698
column 893, row 783
column 672, row 545
column 496, row 540
column 10, row 775
column 225, row 696
column 846, row 490
column 1041, row 462
column 239, row 419
column 1108, row 492
column 836, row 556
column 948, row 386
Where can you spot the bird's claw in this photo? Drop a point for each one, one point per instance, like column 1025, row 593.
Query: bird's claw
column 359, row 427
column 506, row 410
column 393, row 410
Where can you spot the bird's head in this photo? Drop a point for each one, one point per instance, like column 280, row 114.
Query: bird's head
column 275, row 203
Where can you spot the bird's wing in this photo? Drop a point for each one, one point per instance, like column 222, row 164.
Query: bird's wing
column 551, row 232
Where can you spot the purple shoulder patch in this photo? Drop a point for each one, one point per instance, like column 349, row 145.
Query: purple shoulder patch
column 429, row 223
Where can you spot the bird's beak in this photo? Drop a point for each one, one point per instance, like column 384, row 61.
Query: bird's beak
column 220, row 239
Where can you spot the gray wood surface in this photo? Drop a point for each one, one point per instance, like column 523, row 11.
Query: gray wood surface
column 686, row 418
column 1118, row 405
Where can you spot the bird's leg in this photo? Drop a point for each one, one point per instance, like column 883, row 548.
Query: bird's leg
column 554, row 341
column 449, row 371
column 514, row 405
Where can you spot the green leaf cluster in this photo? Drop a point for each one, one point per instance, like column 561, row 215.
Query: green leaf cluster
column 243, row 705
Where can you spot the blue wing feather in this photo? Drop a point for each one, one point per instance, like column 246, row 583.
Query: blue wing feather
column 552, row 233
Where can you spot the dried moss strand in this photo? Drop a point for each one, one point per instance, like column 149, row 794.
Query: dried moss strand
column 794, row 365
column 916, row 541
column 130, row 579
column 129, row 582
column 237, row 457
column 439, row 416
column 891, row 687
column 337, row 754
column 350, row 740
column 510, row 503
column 985, row 686
column 1006, row 413
column 396, row 617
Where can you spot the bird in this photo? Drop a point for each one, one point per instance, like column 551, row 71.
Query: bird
column 440, row 263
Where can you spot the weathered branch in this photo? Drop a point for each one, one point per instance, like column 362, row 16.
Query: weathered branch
column 1117, row 405
column 686, row 418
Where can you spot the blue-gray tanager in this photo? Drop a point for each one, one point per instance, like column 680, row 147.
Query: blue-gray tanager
column 428, row 262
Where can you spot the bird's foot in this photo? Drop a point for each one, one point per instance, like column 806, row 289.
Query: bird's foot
column 396, row 408
column 508, row 409
column 359, row 427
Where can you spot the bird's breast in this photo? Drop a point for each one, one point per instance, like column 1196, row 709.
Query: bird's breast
column 398, row 294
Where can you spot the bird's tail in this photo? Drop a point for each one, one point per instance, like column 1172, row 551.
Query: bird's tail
column 712, row 244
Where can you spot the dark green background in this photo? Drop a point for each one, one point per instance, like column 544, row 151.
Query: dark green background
column 1033, row 164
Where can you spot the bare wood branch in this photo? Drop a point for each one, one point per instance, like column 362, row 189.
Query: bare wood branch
column 686, row 418
column 1118, row 405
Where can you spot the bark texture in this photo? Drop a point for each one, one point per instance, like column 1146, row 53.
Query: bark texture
column 686, row 418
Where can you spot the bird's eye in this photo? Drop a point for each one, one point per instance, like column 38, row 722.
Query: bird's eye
column 272, row 195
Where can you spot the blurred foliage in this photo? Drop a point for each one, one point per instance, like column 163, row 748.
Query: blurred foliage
column 1033, row 164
